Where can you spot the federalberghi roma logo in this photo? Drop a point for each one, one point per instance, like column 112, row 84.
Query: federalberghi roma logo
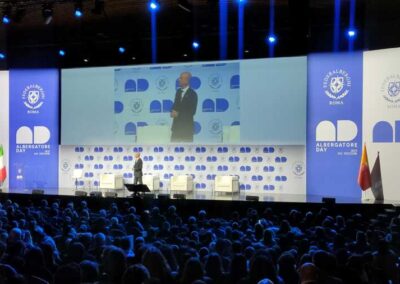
column 33, row 97
column 215, row 126
column 162, row 83
column 298, row 168
column 215, row 81
column 136, row 105
column 336, row 85
column 390, row 89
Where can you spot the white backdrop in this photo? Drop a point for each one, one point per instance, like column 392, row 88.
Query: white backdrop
column 271, row 169
column 382, row 104
column 4, row 116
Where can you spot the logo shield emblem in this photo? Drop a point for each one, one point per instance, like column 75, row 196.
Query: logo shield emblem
column 336, row 84
column 393, row 88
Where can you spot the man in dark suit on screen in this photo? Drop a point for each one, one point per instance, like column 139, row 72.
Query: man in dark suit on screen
column 183, row 110
column 137, row 169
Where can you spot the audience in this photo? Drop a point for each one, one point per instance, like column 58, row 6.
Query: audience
column 53, row 243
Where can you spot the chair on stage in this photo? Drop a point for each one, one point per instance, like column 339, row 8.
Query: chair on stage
column 111, row 182
column 226, row 184
column 152, row 182
column 182, row 183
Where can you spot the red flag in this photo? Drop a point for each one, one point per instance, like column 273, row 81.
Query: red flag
column 364, row 176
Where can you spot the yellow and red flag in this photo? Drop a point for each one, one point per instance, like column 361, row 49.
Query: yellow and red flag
column 364, row 175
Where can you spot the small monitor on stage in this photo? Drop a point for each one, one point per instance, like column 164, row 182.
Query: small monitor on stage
column 136, row 189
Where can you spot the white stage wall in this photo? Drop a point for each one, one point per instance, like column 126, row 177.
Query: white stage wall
column 4, row 117
column 271, row 169
column 381, row 109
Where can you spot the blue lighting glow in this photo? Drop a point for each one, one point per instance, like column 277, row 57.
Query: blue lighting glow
column 2, row 56
column 61, row 52
column 195, row 45
column 121, row 49
column 271, row 39
column 78, row 13
column 351, row 33
column 153, row 5
column 6, row 20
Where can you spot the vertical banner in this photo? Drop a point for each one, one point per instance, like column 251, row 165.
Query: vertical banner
column 4, row 96
column 334, row 124
column 34, row 130
column 381, row 115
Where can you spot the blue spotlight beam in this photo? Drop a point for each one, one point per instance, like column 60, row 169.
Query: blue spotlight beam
column 336, row 26
column 271, row 36
column 241, row 4
column 223, row 29
column 352, row 33
column 153, row 35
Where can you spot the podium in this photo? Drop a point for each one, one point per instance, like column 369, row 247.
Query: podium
column 136, row 189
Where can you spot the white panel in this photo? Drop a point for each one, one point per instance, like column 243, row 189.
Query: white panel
column 381, row 102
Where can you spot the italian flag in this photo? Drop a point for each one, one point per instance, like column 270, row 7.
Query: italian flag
column 3, row 171
column 364, row 176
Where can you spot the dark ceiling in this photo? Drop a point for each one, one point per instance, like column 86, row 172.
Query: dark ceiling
column 302, row 26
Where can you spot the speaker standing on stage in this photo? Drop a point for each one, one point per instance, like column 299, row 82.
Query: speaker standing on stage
column 183, row 110
column 137, row 169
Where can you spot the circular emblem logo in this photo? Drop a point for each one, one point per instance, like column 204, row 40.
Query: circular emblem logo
column 337, row 84
column 298, row 168
column 33, row 96
column 390, row 88
column 215, row 81
column 136, row 105
column 162, row 83
column 215, row 126
column 65, row 166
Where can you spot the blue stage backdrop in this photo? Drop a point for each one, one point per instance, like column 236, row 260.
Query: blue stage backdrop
column 334, row 124
column 34, row 130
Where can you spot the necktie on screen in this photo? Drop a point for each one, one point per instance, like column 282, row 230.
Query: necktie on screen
column 180, row 94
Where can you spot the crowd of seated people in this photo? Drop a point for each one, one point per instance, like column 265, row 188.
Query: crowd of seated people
column 72, row 243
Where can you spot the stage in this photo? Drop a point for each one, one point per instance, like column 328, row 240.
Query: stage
column 216, row 205
column 206, row 195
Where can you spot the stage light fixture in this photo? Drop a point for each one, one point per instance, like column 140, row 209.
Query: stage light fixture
column 47, row 13
column 6, row 20
column 78, row 12
column 351, row 33
column 196, row 45
column 61, row 52
column 2, row 56
column 271, row 39
column 6, row 17
column 121, row 49
column 153, row 5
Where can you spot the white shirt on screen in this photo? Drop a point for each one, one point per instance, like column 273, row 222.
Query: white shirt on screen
column 184, row 90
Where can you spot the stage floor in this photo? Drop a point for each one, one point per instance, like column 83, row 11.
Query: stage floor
column 210, row 196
